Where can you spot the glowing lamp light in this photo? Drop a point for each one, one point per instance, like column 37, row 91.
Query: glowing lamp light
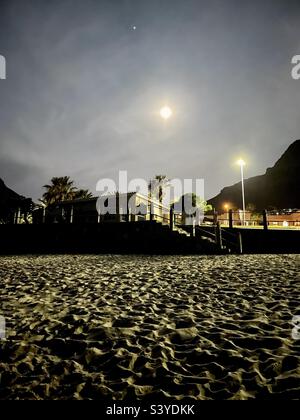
column 241, row 162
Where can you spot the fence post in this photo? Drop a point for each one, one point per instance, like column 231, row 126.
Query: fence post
column 127, row 218
column 194, row 228
column 151, row 211
column 215, row 217
column 230, row 214
column 18, row 216
column 218, row 233
column 240, row 243
column 171, row 218
column 118, row 218
column 265, row 219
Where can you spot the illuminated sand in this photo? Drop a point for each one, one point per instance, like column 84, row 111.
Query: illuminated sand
column 149, row 327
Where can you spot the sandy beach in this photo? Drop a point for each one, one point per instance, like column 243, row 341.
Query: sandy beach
column 108, row 326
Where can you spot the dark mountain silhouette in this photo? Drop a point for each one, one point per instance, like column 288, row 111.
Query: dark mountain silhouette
column 10, row 202
column 278, row 188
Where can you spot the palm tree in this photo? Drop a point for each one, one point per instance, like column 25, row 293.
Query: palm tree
column 156, row 187
column 82, row 194
column 60, row 189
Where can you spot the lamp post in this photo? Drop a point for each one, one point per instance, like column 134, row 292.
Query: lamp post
column 242, row 163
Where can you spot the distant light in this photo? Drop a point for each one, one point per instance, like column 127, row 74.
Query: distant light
column 133, row 27
column 226, row 206
column 241, row 162
column 166, row 112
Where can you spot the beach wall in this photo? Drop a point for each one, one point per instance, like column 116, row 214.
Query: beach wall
column 123, row 238
column 133, row 238
column 260, row 241
column 256, row 241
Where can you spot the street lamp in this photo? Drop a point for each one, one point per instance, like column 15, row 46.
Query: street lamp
column 242, row 163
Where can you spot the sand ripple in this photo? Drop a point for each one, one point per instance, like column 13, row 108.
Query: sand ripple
column 148, row 327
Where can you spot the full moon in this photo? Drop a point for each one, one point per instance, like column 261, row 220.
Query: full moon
column 166, row 112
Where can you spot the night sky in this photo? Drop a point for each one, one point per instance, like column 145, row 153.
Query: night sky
column 84, row 89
